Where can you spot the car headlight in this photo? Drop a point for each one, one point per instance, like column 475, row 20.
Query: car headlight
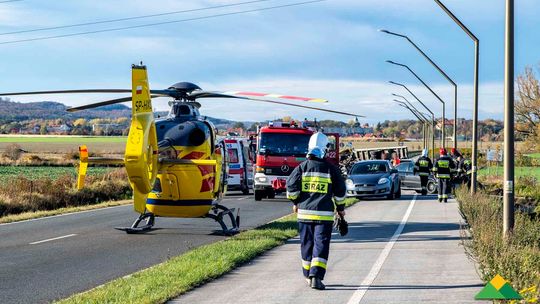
column 349, row 182
column 261, row 179
column 383, row 180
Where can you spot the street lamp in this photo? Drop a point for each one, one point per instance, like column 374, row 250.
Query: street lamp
column 440, row 71
column 433, row 92
column 474, row 157
column 432, row 116
column 424, row 126
column 423, row 115
column 508, row 192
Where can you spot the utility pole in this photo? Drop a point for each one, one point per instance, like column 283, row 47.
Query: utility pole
column 508, row 196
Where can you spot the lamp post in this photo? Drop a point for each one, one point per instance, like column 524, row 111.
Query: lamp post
column 440, row 71
column 422, row 115
column 474, row 157
column 424, row 129
column 443, row 135
column 430, row 112
column 508, row 194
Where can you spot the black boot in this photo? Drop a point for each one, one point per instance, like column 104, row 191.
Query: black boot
column 446, row 200
column 317, row 283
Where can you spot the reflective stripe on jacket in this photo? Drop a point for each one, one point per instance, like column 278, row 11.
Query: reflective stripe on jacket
column 444, row 167
column 423, row 166
column 314, row 186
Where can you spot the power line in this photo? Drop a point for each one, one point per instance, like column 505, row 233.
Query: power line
column 161, row 23
column 6, row 1
column 128, row 18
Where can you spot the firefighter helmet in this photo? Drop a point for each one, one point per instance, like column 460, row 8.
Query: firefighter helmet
column 318, row 143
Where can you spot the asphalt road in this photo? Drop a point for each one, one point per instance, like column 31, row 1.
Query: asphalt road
column 400, row 251
column 51, row 258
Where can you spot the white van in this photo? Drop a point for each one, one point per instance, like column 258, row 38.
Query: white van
column 240, row 165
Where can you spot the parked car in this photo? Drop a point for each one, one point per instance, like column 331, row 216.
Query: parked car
column 372, row 178
column 411, row 181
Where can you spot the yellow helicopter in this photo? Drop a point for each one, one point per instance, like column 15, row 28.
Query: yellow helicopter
column 177, row 167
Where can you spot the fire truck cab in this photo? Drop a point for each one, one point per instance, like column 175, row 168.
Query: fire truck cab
column 241, row 160
column 280, row 148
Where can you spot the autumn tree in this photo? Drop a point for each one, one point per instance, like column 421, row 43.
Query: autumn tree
column 527, row 107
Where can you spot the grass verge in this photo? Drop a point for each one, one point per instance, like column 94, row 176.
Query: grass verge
column 180, row 274
column 517, row 259
column 38, row 214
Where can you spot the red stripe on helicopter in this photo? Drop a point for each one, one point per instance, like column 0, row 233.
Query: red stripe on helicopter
column 207, row 184
column 205, row 170
column 296, row 98
column 194, row 155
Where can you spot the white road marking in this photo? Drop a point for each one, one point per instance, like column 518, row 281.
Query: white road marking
column 53, row 239
column 243, row 198
column 376, row 268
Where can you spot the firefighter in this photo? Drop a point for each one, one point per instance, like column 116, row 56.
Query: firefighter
column 443, row 168
column 313, row 187
column 423, row 167
column 464, row 170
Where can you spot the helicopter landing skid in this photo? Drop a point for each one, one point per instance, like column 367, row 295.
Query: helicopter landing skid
column 219, row 212
column 149, row 217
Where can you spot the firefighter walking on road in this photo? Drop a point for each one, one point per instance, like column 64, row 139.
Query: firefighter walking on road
column 423, row 167
column 313, row 187
column 444, row 168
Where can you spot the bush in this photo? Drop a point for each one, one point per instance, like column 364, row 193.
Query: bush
column 24, row 195
column 13, row 152
column 517, row 258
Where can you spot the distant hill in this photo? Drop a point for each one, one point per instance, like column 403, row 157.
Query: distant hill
column 18, row 111
column 11, row 111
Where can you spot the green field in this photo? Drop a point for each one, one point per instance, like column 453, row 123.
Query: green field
column 534, row 155
column 38, row 172
column 62, row 139
column 519, row 171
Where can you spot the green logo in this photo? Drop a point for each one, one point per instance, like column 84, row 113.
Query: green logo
column 498, row 289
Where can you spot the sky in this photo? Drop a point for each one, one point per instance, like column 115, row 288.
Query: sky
column 330, row 49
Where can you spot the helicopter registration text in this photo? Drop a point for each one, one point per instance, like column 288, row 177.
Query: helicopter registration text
column 143, row 106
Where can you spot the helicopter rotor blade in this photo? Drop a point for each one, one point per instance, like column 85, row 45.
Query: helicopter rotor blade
column 68, row 92
column 240, row 94
column 203, row 94
column 105, row 103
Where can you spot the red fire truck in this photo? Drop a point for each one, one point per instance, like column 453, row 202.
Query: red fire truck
column 280, row 147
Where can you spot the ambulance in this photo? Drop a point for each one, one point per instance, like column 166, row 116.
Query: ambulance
column 241, row 160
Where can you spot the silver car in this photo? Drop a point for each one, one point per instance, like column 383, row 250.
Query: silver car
column 373, row 178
